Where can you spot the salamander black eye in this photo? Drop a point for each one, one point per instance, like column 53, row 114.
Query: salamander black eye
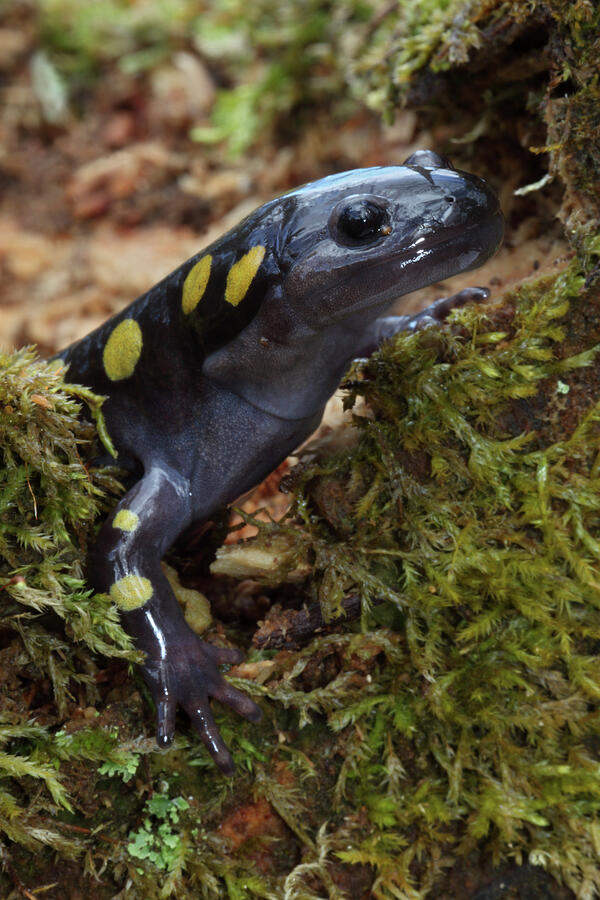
column 358, row 221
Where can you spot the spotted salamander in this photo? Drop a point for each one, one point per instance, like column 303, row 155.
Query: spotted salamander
column 222, row 369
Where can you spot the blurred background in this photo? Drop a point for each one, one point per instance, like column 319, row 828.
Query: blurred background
column 133, row 133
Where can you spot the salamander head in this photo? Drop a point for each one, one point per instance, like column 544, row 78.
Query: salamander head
column 337, row 253
column 359, row 240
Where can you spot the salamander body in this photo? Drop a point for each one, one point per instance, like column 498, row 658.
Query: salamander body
column 222, row 369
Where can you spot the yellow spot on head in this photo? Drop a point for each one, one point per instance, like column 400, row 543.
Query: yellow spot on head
column 131, row 592
column 126, row 520
column 242, row 273
column 122, row 350
column 195, row 283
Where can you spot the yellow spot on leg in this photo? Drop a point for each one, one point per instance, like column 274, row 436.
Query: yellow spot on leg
column 131, row 592
column 242, row 273
column 195, row 283
column 122, row 350
column 126, row 520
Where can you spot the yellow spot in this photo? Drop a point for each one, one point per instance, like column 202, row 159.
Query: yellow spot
column 241, row 274
column 122, row 350
column 126, row 520
column 195, row 284
column 131, row 592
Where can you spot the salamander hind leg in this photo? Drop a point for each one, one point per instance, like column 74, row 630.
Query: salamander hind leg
column 180, row 668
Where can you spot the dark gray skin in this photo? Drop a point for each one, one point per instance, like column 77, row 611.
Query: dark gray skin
column 221, row 395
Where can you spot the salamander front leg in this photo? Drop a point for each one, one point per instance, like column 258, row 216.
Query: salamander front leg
column 387, row 326
column 179, row 667
column 182, row 669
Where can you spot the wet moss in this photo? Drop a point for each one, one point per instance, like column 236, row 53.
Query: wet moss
column 479, row 722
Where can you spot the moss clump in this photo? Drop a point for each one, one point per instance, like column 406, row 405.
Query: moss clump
column 49, row 619
column 49, row 500
column 474, row 498
column 478, row 65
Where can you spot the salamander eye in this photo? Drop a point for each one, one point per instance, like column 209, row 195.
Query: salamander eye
column 358, row 221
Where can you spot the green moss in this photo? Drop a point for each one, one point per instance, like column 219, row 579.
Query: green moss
column 50, row 620
column 472, row 524
column 478, row 724
column 48, row 503
column 407, row 38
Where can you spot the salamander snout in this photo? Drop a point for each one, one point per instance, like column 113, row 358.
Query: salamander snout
column 469, row 203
